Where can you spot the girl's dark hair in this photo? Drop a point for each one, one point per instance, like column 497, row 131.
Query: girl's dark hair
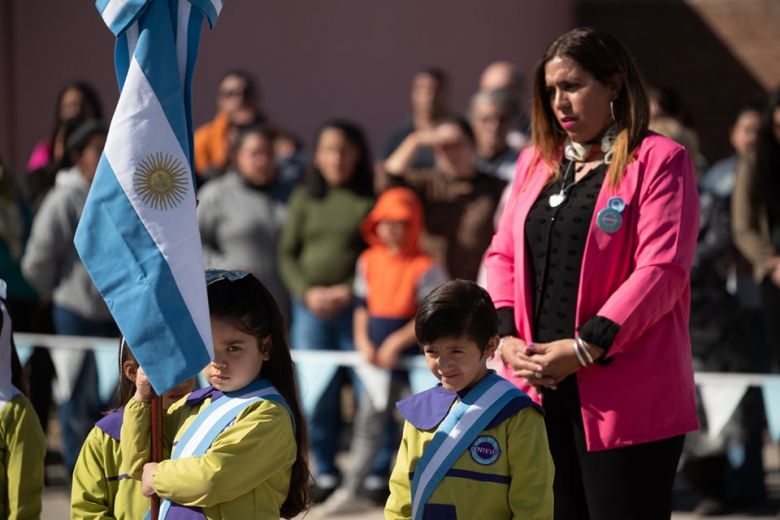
column 767, row 150
column 126, row 387
column 91, row 108
column 457, row 308
column 249, row 306
column 602, row 55
column 362, row 181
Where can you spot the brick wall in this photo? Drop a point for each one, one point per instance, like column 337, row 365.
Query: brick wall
column 718, row 54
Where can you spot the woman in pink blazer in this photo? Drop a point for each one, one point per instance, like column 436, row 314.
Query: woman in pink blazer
column 589, row 269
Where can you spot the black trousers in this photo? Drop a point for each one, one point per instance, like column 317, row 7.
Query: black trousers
column 631, row 483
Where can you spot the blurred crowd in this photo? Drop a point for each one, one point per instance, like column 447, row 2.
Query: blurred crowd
column 296, row 214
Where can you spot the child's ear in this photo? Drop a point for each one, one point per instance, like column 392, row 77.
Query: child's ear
column 492, row 345
column 265, row 348
column 129, row 369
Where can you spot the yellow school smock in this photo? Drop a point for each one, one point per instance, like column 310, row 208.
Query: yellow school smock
column 22, row 449
column 99, row 489
column 244, row 475
column 507, row 472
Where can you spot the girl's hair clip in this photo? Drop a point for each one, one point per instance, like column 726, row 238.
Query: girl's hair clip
column 215, row 275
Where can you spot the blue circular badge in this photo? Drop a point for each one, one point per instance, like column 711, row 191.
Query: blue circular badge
column 485, row 450
column 609, row 220
column 617, row 204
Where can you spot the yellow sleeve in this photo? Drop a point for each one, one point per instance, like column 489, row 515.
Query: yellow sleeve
column 399, row 503
column 26, row 450
column 89, row 494
column 259, row 444
column 530, row 467
column 135, row 437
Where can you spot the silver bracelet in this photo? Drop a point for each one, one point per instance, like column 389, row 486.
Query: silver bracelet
column 576, row 348
column 586, row 351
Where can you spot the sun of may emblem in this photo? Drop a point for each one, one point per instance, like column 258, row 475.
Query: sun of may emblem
column 161, row 181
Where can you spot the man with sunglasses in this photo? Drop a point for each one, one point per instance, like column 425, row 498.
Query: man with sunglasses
column 237, row 105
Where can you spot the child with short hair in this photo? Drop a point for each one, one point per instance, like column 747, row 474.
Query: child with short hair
column 99, row 489
column 474, row 446
column 22, row 443
column 239, row 445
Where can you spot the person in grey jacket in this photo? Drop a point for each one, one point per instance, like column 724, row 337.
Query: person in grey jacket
column 52, row 265
column 240, row 214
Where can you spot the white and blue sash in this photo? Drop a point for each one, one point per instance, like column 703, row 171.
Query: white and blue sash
column 459, row 429
column 213, row 420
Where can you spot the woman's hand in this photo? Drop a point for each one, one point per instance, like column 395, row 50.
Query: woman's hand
column 557, row 359
column 143, row 388
column 146, row 480
column 776, row 275
column 513, row 353
column 340, row 296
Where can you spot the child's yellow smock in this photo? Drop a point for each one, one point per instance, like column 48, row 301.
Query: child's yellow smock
column 245, row 474
column 100, row 490
column 507, row 473
column 22, row 450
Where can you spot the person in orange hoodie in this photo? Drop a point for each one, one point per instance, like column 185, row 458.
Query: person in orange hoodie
column 392, row 277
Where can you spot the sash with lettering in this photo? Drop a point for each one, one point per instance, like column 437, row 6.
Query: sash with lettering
column 206, row 428
column 459, row 429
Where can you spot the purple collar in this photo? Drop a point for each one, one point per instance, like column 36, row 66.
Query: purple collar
column 427, row 409
column 111, row 424
column 198, row 396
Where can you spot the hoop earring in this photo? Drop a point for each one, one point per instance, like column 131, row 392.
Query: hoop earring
column 612, row 110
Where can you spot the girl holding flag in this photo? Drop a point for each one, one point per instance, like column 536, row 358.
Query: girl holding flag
column 239, row 445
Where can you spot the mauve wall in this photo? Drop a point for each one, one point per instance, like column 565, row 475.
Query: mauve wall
column 314, row 59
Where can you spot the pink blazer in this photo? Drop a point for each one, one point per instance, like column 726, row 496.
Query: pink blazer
column 638, row 277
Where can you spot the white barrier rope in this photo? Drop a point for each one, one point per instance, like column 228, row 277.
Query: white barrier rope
column 343, row 358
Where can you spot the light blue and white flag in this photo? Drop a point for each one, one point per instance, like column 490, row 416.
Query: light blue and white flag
column 138, row 236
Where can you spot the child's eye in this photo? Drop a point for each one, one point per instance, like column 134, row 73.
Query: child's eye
column 233, row 348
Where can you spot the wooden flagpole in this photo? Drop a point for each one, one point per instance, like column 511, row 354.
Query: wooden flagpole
column 157, row 455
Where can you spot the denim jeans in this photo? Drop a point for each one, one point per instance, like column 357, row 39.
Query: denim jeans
column 78, row 413
column 310, row 332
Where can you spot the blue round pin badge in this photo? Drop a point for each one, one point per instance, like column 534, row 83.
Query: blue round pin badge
column 609, row 220
column 617, row 204
column 485, row 450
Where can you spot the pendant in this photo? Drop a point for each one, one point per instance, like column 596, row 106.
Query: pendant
column 556, row 199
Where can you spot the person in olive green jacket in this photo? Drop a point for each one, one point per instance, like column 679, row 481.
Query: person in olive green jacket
column 318, row 249
column 100, row 490
column 22, row 443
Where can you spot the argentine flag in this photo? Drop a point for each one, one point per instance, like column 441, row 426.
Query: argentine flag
column 138, row 236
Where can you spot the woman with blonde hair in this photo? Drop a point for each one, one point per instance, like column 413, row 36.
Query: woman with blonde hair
column 590, row 269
